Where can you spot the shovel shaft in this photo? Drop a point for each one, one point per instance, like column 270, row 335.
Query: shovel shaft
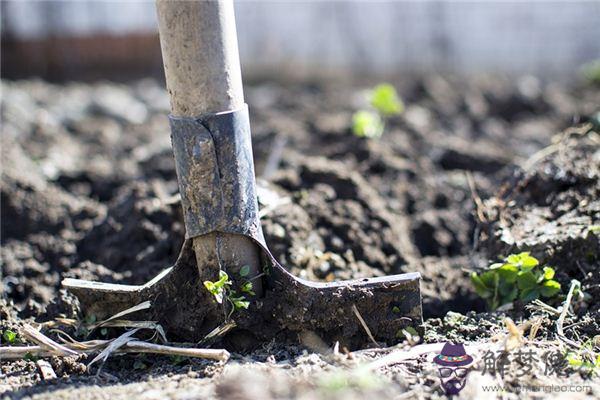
column 202, row 69
column 200, row 55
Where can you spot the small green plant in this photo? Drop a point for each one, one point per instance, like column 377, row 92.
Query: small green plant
column 366, row 123
column 221, row 289
column 384, row 102
column 585, row 359
column 9, row 336
column 518, row 277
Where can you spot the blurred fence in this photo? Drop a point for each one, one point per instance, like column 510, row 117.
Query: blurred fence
column 66, row 39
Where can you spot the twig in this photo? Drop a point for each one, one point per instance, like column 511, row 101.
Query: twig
column 142, row 306
column 219, row 331
column 21, row 352
column 561, row 319
column 475, row 196
column 137, row 346
column 364, row 325
column 36, row 336
column 133, row 346
column 540, row 155
column 113, row 346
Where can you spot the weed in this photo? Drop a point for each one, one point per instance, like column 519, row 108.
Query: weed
column 221, row 289
column 585, row 359
column 518, row 277
column 366, row 123
column 9, row 337
column 245, row 271
column 385, row 100
column 384, row 103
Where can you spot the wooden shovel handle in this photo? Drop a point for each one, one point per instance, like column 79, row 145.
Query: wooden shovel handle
column 202, row 69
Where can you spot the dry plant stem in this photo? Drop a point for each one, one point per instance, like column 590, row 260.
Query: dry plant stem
column 202, row 68
column 133, row 346
column 32, row 334
column 144, row 347
column 561, row 319
column 20, row 352
column 364, row 325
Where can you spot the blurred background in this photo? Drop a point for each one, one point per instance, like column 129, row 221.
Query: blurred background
column 117, row 40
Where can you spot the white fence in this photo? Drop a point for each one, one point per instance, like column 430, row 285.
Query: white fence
column 538, row 37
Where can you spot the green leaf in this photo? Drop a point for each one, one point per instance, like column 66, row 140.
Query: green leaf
column 508, row 272
column 530, row 294
column 210, row 286
column 247, row 288
column 529, row 262
column 497, row 265
column 550, row 288
column 510, row 295
column 480, row 287
column 9, row 336
column 239, row 302
column 574, row 360
column 385, row 100
column 514, row 259
column 245, row 271
column 223, row 280
column 489, row 279
column 548, row 273
column 367, row 124
column 526, row 280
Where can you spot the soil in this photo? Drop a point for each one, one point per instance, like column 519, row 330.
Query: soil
column 456, row 181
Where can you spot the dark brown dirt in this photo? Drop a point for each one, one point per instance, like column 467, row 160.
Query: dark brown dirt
column 89, row 191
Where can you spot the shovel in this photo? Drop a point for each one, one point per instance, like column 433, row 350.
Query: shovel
column 226, row 282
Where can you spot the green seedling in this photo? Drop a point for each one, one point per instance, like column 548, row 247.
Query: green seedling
column 384, row 102
column 9, row 336
column 518, row 277
column 247, row 288
column 221, row 289
column 585, row 359
column 245, row 271
column 367, row 124
column 238, row 302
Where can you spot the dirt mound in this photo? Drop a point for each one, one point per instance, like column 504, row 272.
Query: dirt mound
column 552, row 208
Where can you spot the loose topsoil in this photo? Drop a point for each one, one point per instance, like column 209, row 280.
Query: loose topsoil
column 473, row 170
